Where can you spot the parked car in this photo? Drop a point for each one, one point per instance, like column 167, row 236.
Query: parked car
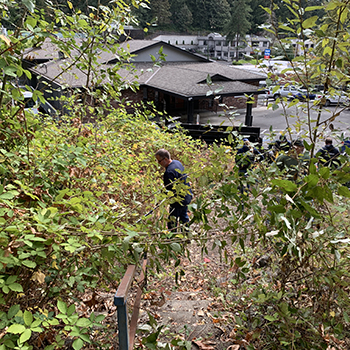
column 289, row 91
column 272, row 92
column 337, row 99
column 303, row 95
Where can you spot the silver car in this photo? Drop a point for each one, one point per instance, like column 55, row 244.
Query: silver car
column 338, row 98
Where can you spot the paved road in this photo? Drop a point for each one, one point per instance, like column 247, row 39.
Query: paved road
column 267, row 118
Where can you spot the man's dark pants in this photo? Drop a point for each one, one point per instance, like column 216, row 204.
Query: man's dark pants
column 177, row 213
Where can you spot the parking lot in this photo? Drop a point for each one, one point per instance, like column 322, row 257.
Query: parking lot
column 297, row 116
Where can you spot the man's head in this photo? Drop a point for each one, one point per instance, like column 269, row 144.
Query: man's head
column 163, row 157
column 246, row 142
column 283, row 138
column 328, row 141
column 298, row 146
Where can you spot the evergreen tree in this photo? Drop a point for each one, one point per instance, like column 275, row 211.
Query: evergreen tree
column 259, row 16
column 209, row 15
column 156, row 12
column 239, row 23
column 181, row 15
column 219, row 18
column 161, row 11
column 199, row 10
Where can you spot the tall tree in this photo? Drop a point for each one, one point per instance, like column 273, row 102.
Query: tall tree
column 239, row 23
column 260, row 15
column 209, row 15
column 181, row 15
column 161, row 11
column 220, row 16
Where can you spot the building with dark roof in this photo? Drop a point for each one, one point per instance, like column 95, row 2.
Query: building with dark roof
column 185, row 81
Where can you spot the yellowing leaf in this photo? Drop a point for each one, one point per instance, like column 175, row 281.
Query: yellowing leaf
column 332, row 313
column 310, row 22
column 69, row 4
column 331, row 6
column 39, row 276
column 327, row 50
column 6, row 39
column 325, row 42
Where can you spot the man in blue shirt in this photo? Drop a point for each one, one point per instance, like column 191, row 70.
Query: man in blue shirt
column 175, row 180
column 328, row 155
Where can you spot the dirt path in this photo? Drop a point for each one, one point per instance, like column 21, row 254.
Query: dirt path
column 193, row 309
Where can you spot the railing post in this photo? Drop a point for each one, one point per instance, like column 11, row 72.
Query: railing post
column 126, row 335
column 120, row 301
column 123, row 329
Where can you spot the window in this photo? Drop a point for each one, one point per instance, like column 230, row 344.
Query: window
column 29, row 103
column 183, row 42
column 264, row 43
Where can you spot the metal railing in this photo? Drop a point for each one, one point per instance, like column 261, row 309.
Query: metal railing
column 126, row 333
